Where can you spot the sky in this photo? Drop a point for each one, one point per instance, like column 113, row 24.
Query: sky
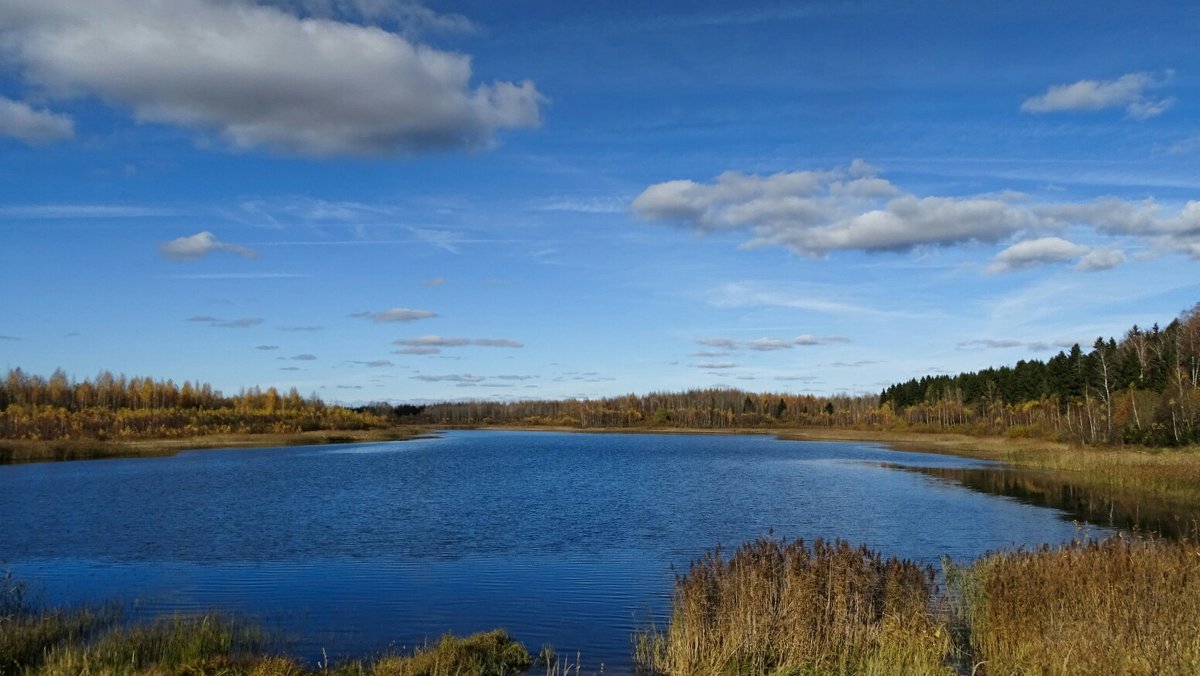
column 392, row 200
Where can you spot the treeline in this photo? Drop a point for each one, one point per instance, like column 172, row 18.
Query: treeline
column 694, row 409
column 120, row 408
column 1144, row 389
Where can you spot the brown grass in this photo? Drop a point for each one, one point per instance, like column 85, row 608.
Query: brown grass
column 778, row 607
column 1114, row 607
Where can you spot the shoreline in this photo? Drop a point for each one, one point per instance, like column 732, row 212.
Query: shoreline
column 20, row 451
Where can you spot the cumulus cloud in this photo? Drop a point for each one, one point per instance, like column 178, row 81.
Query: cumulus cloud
column 440, row 342
column 261, row 75
column 199, row 245
column 21, row 121
column 1047, row 250
column 396, row 314
column 1127, row 91
column 1035, row 252
column 815, row 212
column 1101, row 259
column 852, row 209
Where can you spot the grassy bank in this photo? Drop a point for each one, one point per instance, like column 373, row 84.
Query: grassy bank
column 24, row 450
column 1119, row 606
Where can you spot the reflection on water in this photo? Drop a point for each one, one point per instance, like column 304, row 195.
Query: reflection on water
column 1055, row 490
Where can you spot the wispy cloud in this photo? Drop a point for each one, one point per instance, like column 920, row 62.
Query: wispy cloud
column 82, row 211
column 714, row 365
column 242, row 323
column 1127, row 91
column 301, row 329
column 1005, row 344
column 396, row 314
column 199, row 245
column 9, row 338
column 433, row 344
column 767, row 344
column 434, row 283
column 304, row 357
column 266, row 348
column 449, row 378
column 238, row 275
column 375, row 364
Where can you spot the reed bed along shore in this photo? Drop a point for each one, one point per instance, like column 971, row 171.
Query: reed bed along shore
column 1118, row 606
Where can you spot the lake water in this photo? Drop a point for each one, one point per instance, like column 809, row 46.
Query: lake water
column 567, row 539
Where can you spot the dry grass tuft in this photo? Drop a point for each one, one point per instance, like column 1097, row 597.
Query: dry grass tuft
column 1117, row 606
column 777, row 607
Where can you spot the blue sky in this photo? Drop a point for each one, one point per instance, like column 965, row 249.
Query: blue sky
column 381, row 199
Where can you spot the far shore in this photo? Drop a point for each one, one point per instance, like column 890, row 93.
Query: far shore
column 25, row 450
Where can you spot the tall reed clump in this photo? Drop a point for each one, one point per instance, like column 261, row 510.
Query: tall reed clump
column 783, row 607
column 1116, row 606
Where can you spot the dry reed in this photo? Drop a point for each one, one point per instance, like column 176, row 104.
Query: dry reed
column 776, row 607
column 1117, row 606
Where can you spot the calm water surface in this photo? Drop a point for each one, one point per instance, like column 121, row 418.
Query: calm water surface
column 568, row 539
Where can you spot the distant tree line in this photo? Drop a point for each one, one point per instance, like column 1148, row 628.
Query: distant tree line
column 117, row 407
column 1142, row 389
column 715, row 408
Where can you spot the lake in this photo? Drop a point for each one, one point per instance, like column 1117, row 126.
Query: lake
column 566, row 539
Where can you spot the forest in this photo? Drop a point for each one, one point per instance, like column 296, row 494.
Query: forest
column 117, row 408
column 1141, row 389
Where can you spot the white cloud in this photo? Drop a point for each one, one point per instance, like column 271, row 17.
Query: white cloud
column 396, row 314
column 450, row 378
column 1036, row 252
column 439, row 342
column 1101, row 259
column 242, row 323
column 411, row 17
column 21, row 121
column 1128, row 91
column 763, row 344
column 767, row 344
column 808, row 339
column 714, row 365
column 200, row 244
column 1048, row 250
column 814, row 213
column 262, row 76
